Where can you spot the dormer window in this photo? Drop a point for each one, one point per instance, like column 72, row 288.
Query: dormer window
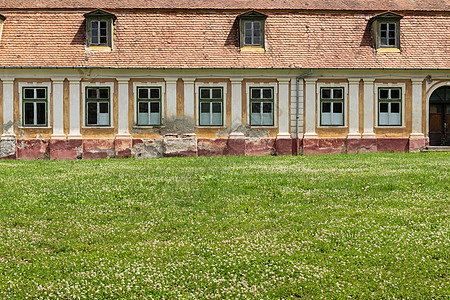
column 386, row 32
column 99, row 29
column 251, row 30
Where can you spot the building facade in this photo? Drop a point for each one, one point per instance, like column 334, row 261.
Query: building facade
column 193, row 78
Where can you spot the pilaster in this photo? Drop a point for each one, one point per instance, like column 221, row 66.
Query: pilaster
column 310, row 108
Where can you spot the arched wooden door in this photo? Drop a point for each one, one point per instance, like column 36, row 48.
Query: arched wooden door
column 439, row 126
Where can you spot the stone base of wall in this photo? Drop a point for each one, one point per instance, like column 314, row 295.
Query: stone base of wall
column 189, row 145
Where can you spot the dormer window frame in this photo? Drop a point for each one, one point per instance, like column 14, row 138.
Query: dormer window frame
column 385, row 29
column 251, row 28
column 99, row 29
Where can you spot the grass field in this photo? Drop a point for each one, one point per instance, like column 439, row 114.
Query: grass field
column 338, row 226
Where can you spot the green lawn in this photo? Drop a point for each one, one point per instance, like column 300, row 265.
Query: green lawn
column 337, row 226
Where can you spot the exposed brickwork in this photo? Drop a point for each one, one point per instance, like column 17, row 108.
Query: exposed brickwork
column 194, row 39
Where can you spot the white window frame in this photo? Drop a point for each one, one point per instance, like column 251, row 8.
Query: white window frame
column 197, row 87
column 403, row 105
column 47, row 85
column 321, row 85
column 148, row 84
column 109, row 85
column 274, row 86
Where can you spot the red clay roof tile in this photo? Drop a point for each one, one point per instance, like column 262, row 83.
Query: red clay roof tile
column 194, row 39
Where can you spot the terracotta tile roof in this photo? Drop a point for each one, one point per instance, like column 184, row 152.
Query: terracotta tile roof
column 192, row 39
column 377, row 5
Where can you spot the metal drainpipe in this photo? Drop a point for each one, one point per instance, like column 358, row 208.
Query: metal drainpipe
column 297, row 105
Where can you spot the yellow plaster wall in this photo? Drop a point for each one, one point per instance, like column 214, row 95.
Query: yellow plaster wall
column 180, row 97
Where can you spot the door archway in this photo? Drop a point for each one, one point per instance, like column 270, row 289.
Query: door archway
column 439, row 117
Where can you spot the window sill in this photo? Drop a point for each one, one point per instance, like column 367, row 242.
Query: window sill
column 390, row 127
column 147, row 126
column 97, row 127
column 333, row 126
column 34, row 127
column 387, row 50
column 263, row 126
column 253, row 49
column 210, row 127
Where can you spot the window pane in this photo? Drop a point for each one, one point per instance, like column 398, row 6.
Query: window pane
column 394, row 119
column 392, row 34
column 337, row 93
column 383, row 41
column 204, row 119
column 40, row 113
column 216, row 119
column 154, row 93
column 326, row 107
column 143, row 93
column 255, row 119
column 94, row 32
column 384, row 119
column 267, row 119
column 383, row 26
column 395, row 107
column 256, row 107
column 395, row 94
column 217, row 108
column 92, row 93
column 103, row 119
column 392, row 41
column 384, row 107
column 248, row 26
column 143, row 107
column 29, row 114
column 103, row 40
column 267, row 93
column 256, row 26
column 267, row 107
column 326, row 93
column 205, row 94
column 92, row 113
column 29, row 93
column 204, row 107
column 448, row 109
column 383, row 34
column 143, row 119
column 217, row 93
column 248, row 40
column 104, row 107
column 154, row 107
column 384, row 94
column 338, row 119
column 392, row 26
column 326, row 118
column 40, row 93
column 104, row 93
column 337, row 107
column 256, row 93
column 154, row 119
